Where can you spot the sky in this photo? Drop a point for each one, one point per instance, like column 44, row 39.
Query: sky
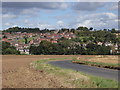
column 56, row 15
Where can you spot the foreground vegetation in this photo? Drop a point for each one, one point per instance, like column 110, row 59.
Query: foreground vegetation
column 74, row 78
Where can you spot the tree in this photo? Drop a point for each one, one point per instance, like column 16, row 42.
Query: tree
column 19, row 29
column 113, row 30
column 26, row 40
column 94, row 49
column 103, row 50
column 33, row 49
column 91, row 28
column 7, row 49
column 72, row 30
column 82, row 29
column 4, row 36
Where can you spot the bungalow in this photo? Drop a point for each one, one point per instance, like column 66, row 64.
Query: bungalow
column 54, row 41
column 99, row 43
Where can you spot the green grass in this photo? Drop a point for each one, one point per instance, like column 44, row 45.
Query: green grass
column 69, row 76
column 29, row 39
column 22, row 40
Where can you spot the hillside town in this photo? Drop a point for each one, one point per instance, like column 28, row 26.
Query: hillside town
column 82, row 40
column 17, row 39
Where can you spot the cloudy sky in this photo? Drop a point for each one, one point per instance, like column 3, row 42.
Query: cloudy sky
column 55, row 15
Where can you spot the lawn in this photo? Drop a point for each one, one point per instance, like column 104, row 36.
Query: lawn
column 29, row 39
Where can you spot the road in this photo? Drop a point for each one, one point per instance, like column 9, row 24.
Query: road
column 102, row 72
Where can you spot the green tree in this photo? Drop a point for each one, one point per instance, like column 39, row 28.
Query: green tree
column 91, row 28
column 26, row 40
column 113, row 30
column 94, row 49
column 7, row 49
column 4, row 36
column 82, row 29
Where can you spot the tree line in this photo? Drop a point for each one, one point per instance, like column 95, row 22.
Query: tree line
column 27, row 30
column 68, row 47
column 37, row 30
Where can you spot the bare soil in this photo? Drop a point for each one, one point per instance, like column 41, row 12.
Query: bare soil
column 16, row 72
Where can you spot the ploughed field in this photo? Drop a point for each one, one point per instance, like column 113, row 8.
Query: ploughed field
column 16, row 72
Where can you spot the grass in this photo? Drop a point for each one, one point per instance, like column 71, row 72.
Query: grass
column 95, row 63
column 29, row 39
column 21, row 40
column 74, row 78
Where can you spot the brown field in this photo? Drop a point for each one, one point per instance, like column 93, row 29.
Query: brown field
column 102, row 59
column 16, row 72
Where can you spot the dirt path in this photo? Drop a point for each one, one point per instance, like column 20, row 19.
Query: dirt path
column 17, row 73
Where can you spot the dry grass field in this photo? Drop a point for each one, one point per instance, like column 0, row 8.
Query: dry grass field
column 102, row 59
column 106, row 61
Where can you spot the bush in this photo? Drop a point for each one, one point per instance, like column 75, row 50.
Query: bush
column 7, row 49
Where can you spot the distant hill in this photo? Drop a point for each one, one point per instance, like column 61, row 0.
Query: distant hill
column 37, row 30
column 18, row 29
column 27, row 30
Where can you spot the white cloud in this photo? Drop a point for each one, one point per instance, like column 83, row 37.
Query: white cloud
column 7, row 24
column 14, row 25
column 98, row 21
column 114, row 6
column 8, row 16
column 110, row 15
column 99, row 16
column 64, row 5
column 26, row 21
column 60, row 23
column 45, row 26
